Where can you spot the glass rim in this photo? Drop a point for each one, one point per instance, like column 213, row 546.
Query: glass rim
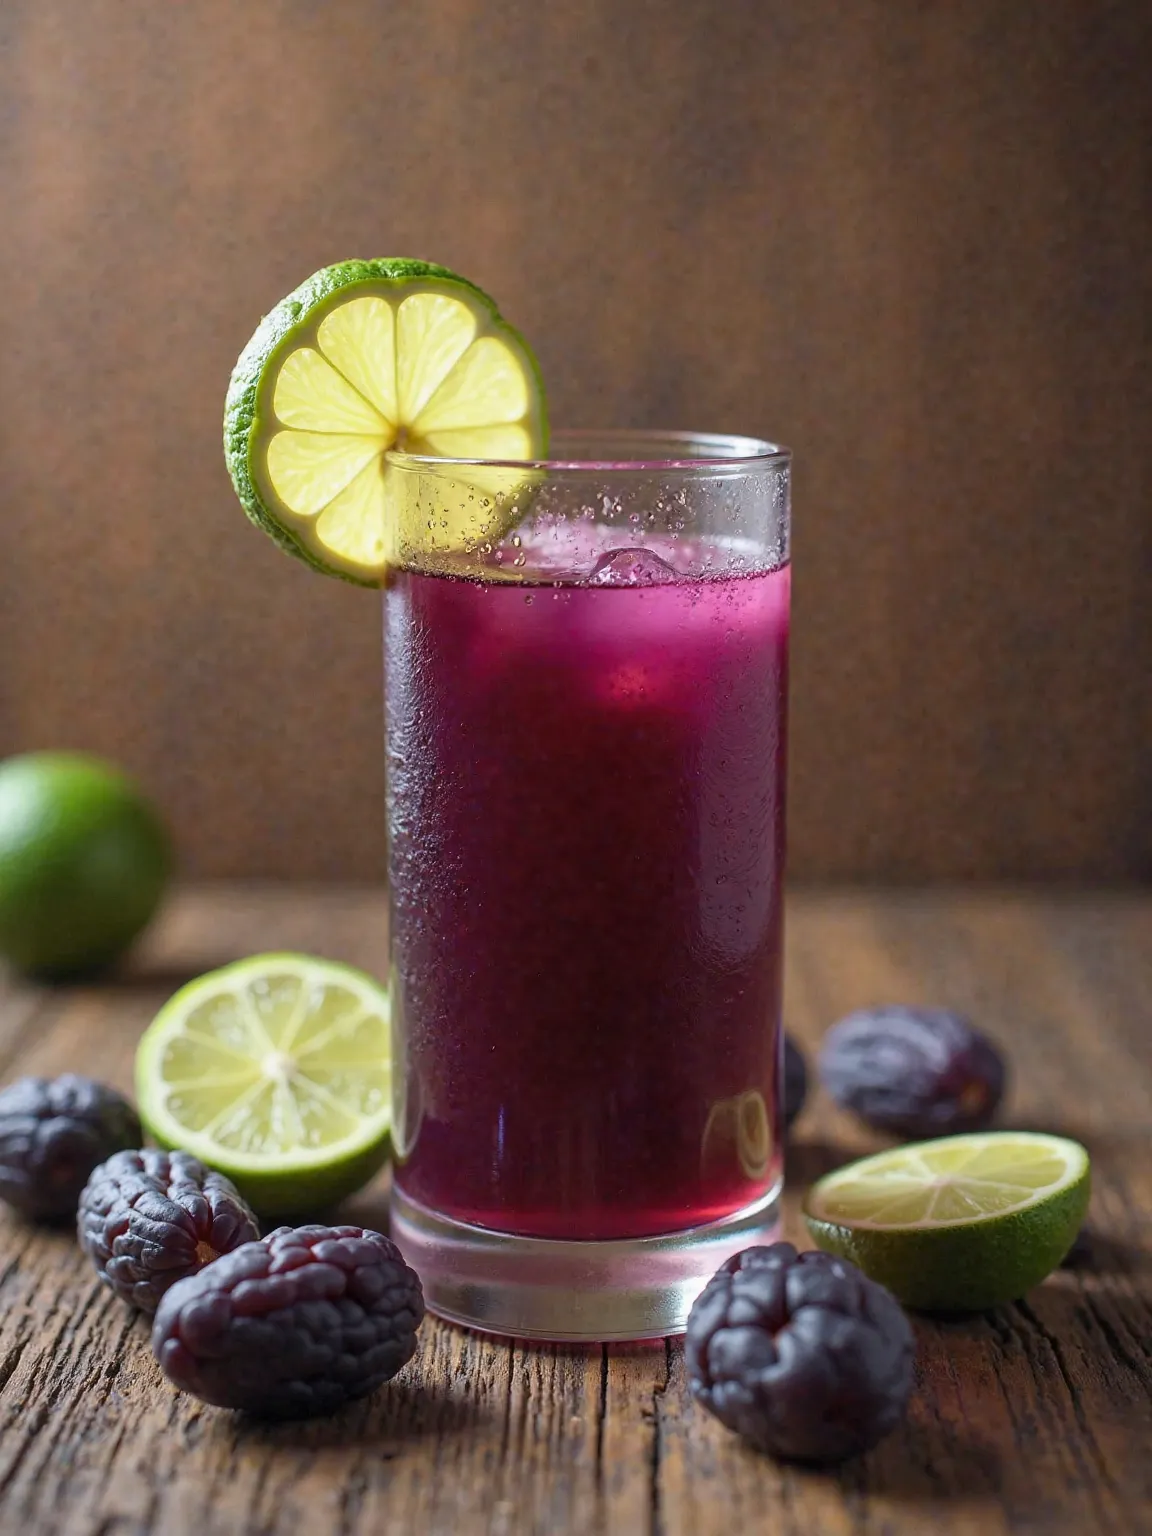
column 723, row 451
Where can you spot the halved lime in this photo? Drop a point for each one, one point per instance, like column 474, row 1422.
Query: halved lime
column 363, row 358
column 959, row 1224
column 277, row 1071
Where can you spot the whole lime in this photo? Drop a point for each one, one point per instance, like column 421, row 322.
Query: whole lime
column 84, row 859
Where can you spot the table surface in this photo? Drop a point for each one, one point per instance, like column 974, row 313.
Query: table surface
column 1034, row 1418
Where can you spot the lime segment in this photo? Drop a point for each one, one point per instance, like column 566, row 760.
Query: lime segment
column 277, row 1072
column 959, row 1224
column 363, row 358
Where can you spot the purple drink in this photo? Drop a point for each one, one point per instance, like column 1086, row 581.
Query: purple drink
column 586, row 809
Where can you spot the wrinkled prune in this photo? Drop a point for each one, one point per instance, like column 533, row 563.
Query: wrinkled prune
column 148, row 1219
column 917, row 1072
column 795, row 1081
column 294, row 1325
column 53, row 1132
column 800, row 1353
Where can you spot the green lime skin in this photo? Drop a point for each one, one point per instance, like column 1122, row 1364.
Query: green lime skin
column 244, row 402
column 304, row 1195
column 969, row 1267
column 84, row 860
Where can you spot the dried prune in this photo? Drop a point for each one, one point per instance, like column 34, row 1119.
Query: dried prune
column 800, row 1353
column 916, row 1072
column 53, row 1132
column 795, row 1081
column 148, row 1219
column 294, row 1325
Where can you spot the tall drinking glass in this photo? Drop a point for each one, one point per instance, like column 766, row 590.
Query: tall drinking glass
column 585, row 750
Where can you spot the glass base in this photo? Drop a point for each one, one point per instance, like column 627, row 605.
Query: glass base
column 570, row 1292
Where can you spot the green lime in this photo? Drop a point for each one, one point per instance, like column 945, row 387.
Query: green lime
column 277, row 1071
column 959, row 1224
column 364, row 358
column 84, row 859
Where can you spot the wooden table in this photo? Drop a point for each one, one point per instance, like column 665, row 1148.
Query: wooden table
column 1037, row 1418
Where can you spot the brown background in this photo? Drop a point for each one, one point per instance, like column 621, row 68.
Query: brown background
column 910, row 239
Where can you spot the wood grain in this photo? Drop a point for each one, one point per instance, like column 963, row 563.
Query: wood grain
column 912, row 240
column 1036, row 1418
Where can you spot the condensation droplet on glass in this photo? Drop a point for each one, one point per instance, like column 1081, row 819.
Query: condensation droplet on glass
column 515, row 541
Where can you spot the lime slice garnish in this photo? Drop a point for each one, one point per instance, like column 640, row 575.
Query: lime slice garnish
column 277, row 1071
column 363, row 358
column 959, row 1224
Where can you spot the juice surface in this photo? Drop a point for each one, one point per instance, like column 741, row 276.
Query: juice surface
column 586, row 814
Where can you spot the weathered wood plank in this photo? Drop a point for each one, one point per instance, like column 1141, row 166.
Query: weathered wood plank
column 1037, row 1418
